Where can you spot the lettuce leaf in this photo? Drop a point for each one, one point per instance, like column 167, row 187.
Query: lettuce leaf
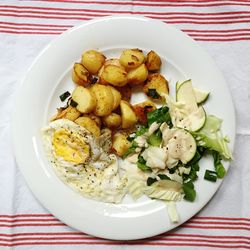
column 210, row 137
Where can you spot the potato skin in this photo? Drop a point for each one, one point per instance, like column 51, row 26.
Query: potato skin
column 159, row 83
column 104, row 99
column 80, row 75
column 131, row 58
column 153, row 61
column 93, row 60
column 120, row 144
column 89, row 124
column 112, row 61
column 97, row 119
column 113, row 75
column 129, row 118
column 112, row 121
column 85, row 99
column 141, row 110
column 117, row 97
column 69, row 113
column 126, row 92
column 138, row 75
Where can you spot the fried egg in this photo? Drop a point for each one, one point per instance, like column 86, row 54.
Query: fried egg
column 82, row 161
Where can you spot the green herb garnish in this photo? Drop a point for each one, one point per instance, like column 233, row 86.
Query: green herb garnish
column 73, row 103
column 141, row 164
column 153, row 93
column 210, row 175
column 219, row 168
column 130, row 150
column 150, row 181
column 64, row 96
column 159, row 115
column 189, row 191
column 163, row 177
column 155, row 139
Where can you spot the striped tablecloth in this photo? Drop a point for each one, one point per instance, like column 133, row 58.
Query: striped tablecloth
column 220, row 27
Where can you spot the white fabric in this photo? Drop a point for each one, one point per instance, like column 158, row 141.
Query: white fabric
column 231, row 202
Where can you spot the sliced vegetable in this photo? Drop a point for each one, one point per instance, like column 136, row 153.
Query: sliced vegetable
column 185, row 94
column 219, row 168
column 159, row 115
column 189, row 191
column 141, row 164
column 150, row 181
column 64, row 96
column 155, row 139
column 73, row 103
column 200, row 96
column 210, row 175
column 211, row 138
column 163, row 177
column 153, row 93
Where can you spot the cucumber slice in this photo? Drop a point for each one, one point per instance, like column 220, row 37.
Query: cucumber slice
column 182, row 145
column 193, row 122
column 185, row 94
column 200, row 96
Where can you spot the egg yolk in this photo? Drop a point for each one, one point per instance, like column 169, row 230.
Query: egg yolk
column 70, row 146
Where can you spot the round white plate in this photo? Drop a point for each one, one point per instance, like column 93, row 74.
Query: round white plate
column 49, row 76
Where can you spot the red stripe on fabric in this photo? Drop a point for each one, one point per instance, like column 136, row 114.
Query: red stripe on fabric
column 36, row 25
column 134, row 3
column 207, row 236
column 41, row 234
column 194, row 1
column 219, row 218
column 33, row 225
column 217, row 227
column 123, row 243
column 178, row 16
column 124, row 12
column 25, row 28
column 25, row 215
column 28, row 220
column 142, row 242
column 214, row 31
column 185, row 30
column 84, row 18
column 51, row 238
column 218, row 222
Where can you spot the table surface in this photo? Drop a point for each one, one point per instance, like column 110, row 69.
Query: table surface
column 220, row 27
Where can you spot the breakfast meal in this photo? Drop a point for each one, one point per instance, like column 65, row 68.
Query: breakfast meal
column 105, row 147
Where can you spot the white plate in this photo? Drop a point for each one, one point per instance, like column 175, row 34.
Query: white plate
column 49, row 76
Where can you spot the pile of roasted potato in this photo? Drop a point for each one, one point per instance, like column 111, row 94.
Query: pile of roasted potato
column 104, row 88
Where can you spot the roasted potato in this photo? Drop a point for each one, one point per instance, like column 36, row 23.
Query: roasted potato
column 153, row 61
column 131, row 58
column 138, row 75
column 104, row 99
column 89, row 124
column 129, row 117
column 97, row 119
column 80, row 75
column 141, row 110
column 93, row 60
column 126, row 92
column 84, row 99
column 69, row 113
column 113, row 75
column 120, row 144
column 113, row 61
column 112, row 121
column 117, row 97
column 155, row 86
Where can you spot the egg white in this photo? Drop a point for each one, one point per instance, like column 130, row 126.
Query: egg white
column 98, row 178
